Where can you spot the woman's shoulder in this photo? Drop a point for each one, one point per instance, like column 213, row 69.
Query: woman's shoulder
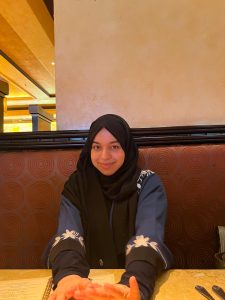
column 145, row 177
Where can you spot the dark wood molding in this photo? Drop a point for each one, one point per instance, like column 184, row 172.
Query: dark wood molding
column 160, row 136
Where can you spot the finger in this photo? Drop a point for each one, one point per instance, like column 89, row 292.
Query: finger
column 96, row 285
column 134, row 289
column 52, row 296
column 79, row 298
column 84, row 283
column 93, row 294
column 82, row 294
column 87, row 284
column 61, row 296
column 58, row 297
column 116, row 292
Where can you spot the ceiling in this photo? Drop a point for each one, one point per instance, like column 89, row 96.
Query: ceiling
column 27, row 55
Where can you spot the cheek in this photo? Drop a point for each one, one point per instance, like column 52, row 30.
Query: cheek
column 121, row 158
column 93, row 157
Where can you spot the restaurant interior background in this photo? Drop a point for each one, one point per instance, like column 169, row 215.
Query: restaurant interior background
column 27, row 61
column 157, row 64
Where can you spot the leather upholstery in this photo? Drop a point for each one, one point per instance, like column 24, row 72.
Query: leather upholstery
column 194, row 178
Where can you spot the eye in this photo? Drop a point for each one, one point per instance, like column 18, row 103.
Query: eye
column 95, row 147
column 116, row 147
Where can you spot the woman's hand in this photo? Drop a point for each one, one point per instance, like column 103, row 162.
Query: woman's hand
column 67, row 286
column 110, row 292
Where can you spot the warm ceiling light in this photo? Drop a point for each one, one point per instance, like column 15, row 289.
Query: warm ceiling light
column 53, row 63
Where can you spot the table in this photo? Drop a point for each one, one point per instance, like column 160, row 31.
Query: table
column 171, row 285
column 180, row 284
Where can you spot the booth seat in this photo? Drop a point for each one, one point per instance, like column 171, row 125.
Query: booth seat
column 194, row 179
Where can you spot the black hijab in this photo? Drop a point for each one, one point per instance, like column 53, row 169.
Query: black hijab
column 92, row 193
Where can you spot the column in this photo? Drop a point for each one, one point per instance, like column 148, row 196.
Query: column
column 4, row 90
column 41, row 120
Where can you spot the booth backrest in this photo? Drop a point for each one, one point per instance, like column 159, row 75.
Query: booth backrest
column 194, row 178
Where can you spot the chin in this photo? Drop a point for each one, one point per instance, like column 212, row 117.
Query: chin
column 107, row 173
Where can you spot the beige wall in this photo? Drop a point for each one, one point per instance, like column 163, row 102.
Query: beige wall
column 154, row 62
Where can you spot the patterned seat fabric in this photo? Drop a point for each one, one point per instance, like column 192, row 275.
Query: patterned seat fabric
column 31, row 183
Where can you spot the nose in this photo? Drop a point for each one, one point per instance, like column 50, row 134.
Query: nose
column 105, row 154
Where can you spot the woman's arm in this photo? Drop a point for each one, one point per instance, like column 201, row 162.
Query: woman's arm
column 147, row 254
column 67, row 256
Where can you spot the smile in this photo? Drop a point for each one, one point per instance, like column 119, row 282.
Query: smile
column 105, row 165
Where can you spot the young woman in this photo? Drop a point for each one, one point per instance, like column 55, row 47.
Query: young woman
column 112, row 215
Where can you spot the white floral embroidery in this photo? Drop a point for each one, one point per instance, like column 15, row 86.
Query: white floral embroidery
column 129, row 247
column 81, row 240
column 142, row 176
column 57, row 239
column 69, row 234
column 146, row 172
column 141, row 241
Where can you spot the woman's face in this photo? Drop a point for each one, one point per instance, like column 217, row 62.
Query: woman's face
column 107, row 154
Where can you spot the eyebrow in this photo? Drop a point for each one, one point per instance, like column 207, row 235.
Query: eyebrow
column 113, row 142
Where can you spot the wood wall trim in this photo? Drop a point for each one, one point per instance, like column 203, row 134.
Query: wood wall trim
column 160, row 136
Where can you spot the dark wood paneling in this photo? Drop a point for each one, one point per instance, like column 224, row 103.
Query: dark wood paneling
column 178, row 135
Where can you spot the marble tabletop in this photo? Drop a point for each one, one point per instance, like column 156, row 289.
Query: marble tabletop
column 171, row 285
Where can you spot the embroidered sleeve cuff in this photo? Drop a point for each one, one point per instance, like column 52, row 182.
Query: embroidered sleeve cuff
column 68, row 244
column 69, row 234
column 142, row 248
column 145, row 274
column 146, row 254
column 68, row 258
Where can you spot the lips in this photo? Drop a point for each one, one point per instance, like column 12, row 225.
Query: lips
column 105, row 165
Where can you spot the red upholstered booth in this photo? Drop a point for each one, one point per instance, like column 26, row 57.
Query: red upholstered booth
column 194, row 177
